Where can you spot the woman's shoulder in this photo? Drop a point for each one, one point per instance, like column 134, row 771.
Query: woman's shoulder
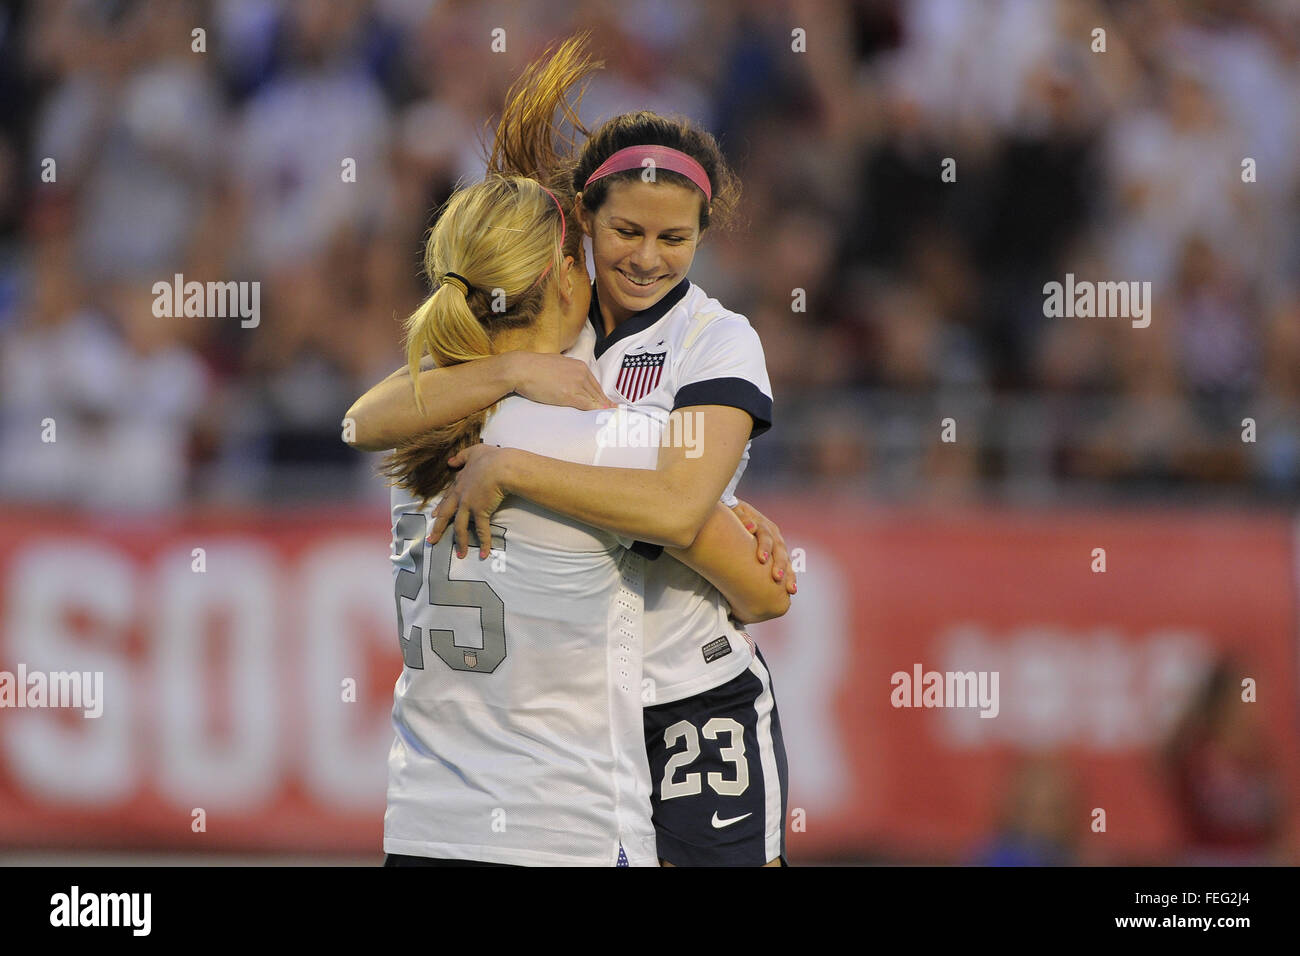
column 698, row 302
column 706, row 312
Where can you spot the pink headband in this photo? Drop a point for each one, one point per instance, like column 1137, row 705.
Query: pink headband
column 634, row 157
column 561, row 208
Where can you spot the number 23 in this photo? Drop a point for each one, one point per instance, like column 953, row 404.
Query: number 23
column 733, row 753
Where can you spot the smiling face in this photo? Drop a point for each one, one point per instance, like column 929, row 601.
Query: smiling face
column 643, row 240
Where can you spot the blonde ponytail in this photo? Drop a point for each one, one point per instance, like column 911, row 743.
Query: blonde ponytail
column 503, row 237
column 445, row 329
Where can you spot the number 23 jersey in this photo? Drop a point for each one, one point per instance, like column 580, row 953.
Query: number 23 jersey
column 685, row 350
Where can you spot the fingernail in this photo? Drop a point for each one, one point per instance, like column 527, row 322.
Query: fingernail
column 795, row 589
column 750, row 526
column 764, row 555
column 460, row 553
column 780, row 574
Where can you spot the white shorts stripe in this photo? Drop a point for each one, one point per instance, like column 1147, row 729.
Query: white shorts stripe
column 774, row 822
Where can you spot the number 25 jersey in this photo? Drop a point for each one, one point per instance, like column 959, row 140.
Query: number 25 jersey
column 519, row 736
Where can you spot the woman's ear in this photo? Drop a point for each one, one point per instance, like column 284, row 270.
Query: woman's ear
column 584, row 215
column 566, row 279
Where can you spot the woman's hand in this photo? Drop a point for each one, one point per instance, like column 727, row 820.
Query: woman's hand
column 556, row 380
column 770, row 543
column 476, row 493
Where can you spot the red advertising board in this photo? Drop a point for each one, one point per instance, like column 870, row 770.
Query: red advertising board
column 1094, row 666
column 248, row 661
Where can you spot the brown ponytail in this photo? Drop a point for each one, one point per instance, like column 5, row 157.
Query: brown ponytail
column 526, row 138
column 527, row 142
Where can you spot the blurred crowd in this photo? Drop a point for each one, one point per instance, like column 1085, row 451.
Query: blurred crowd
column 922, row 299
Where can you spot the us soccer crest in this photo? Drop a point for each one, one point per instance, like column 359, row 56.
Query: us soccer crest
column 640, row 373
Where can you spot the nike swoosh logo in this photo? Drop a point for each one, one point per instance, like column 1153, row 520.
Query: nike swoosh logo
column 719, row 824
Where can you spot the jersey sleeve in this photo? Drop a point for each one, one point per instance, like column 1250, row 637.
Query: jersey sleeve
column 729, row 495
column 724, row 365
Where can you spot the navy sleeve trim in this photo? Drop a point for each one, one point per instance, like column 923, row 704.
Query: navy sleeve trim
column 737, row 392
column 648, row 551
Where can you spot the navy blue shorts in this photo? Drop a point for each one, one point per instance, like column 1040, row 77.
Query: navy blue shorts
column 718, row 774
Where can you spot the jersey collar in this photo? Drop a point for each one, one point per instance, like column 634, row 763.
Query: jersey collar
column 638, row 321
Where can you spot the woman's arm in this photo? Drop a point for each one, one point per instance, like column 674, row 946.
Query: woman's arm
column 666, row 506
column 721, row 554
column 387, row 414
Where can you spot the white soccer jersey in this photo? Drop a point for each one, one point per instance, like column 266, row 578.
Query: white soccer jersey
column 518, row 711
column 687, row 349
